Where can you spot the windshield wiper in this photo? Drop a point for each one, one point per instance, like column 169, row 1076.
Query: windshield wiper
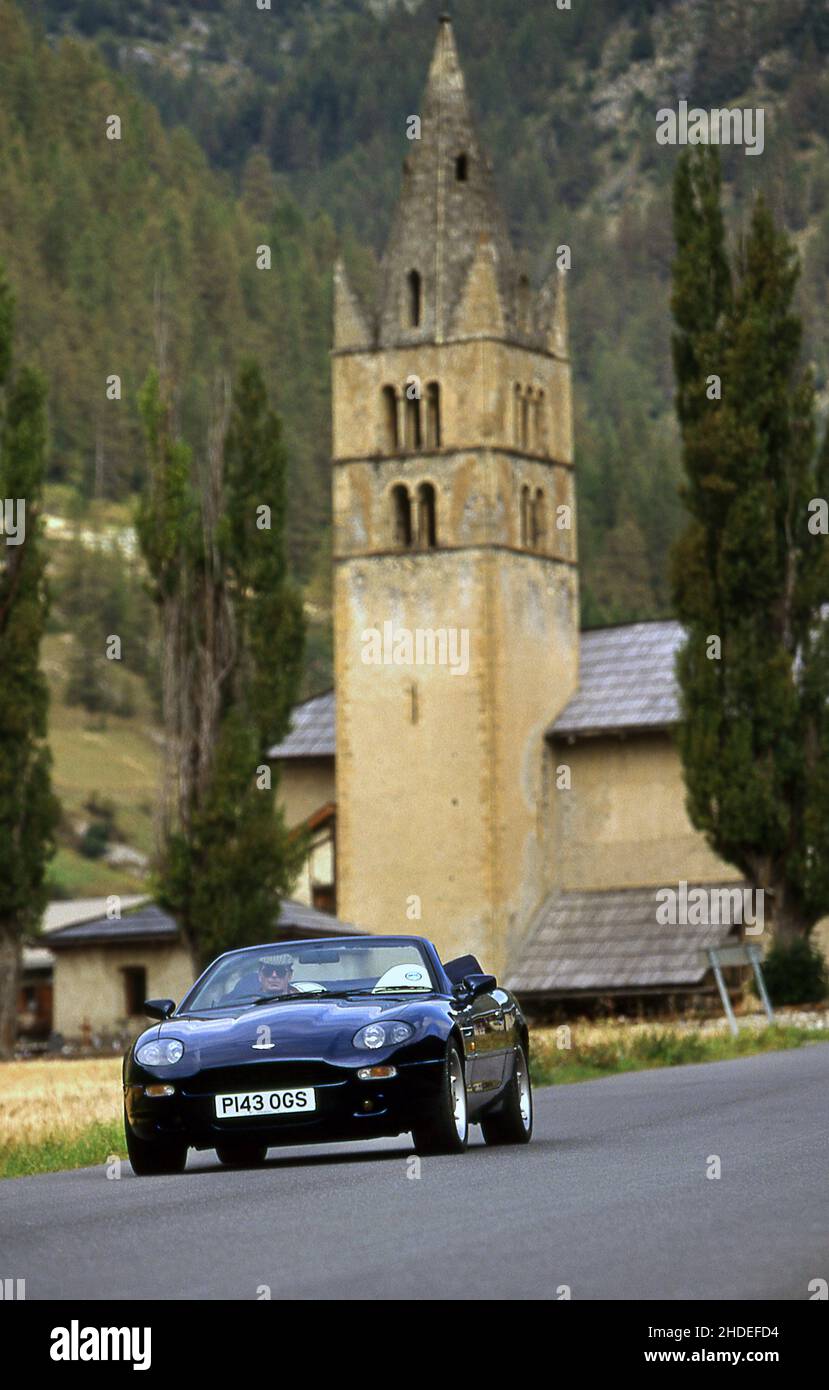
column 372, row 990
column 402, row 989
column 278, row 998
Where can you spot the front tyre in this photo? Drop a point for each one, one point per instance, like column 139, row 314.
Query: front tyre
column 512, row 1122
column 447, row 1129
column 151, row 1157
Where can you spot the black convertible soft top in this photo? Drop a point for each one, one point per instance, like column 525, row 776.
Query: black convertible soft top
column 462, row 965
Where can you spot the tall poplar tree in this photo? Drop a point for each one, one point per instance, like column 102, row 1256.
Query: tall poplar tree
column 213, row 537
column 751, row 571
column 28, row 810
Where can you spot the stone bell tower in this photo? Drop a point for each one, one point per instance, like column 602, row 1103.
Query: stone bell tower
column 455, row 584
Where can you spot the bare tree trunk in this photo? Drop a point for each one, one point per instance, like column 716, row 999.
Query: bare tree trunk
column 198, row 649
column 9, row 980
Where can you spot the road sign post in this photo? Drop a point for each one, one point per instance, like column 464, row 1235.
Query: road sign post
column 738, row 954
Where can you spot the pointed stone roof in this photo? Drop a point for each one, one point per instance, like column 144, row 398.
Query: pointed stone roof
column 448, row 208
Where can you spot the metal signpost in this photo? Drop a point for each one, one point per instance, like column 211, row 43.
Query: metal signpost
column 742, row 954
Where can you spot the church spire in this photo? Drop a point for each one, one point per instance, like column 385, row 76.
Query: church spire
column 447, row 207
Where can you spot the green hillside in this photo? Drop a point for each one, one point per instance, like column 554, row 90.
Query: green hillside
column 295, row 118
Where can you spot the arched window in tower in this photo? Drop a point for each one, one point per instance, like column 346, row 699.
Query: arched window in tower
column 461, row 168
column 539, row 521
column 525, row 516
column 525, row 419
column 390, row 439
column 524, row 299
column 413, row 297
column 516, row 416
column 401, row 515
column 433, row 415
column 427, row 530
column 540, row 423
column 413, row 437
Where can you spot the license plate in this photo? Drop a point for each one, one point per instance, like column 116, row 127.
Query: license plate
column 243, row 1104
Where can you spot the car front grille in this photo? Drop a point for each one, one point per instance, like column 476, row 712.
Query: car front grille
column 262, row 1076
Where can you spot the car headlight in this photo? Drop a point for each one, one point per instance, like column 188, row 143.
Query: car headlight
column 162, row 1052
column 382, row 1034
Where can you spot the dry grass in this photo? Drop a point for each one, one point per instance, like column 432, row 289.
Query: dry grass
column 51, row 1100
column 584, row 1049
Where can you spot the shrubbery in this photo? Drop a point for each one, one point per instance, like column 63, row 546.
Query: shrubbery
column 796, row 974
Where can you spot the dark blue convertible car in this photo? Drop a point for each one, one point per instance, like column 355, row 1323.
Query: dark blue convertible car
column 307, row 1042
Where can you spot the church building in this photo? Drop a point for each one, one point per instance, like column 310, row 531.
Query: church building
column 483, row 773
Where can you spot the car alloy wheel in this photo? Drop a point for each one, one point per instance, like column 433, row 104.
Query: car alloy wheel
column 457, row 1090
column 447, row 1130
column 511, row 1122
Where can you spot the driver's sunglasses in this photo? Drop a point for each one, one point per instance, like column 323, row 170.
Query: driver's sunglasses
column 276, row 969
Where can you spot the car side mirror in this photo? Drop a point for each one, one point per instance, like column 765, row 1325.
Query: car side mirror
column 159, row 1008
column 473, row 985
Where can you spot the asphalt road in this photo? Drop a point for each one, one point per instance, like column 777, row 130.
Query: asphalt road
column 610, row 1199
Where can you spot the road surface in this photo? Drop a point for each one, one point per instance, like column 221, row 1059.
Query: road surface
column 611, row 1200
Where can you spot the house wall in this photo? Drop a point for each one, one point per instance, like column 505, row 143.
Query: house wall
column 89, row 986
column 623, row 823
column 305, row 784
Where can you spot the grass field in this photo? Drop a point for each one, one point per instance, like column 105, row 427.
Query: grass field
column 115, row 759
column 59, row 1114
column 67, row 1114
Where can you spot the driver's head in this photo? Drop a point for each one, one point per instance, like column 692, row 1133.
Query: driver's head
column 275, row 974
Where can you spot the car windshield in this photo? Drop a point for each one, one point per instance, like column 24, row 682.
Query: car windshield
column 299, row 970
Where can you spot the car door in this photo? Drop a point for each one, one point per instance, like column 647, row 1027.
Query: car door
column 488, row 1045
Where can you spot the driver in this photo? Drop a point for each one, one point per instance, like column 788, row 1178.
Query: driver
column 275, row 975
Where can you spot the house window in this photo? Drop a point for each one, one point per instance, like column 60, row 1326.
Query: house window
column 426, row 517
column 135, row 989
column 389, row 419
column 413, row 288
column 461, row 168
column 433, row 415
column 324, row 897
column 401, row 515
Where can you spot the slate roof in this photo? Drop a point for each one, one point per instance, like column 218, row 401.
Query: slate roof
column 626, row 680
column 598, row 943
column 152, row 923
column 312, row 730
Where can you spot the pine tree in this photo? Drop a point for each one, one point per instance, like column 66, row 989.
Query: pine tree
column 28, row 810
column 232, row 634
column 748, row 573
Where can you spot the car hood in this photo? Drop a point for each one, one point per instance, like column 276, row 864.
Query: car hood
column 303, row 1028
